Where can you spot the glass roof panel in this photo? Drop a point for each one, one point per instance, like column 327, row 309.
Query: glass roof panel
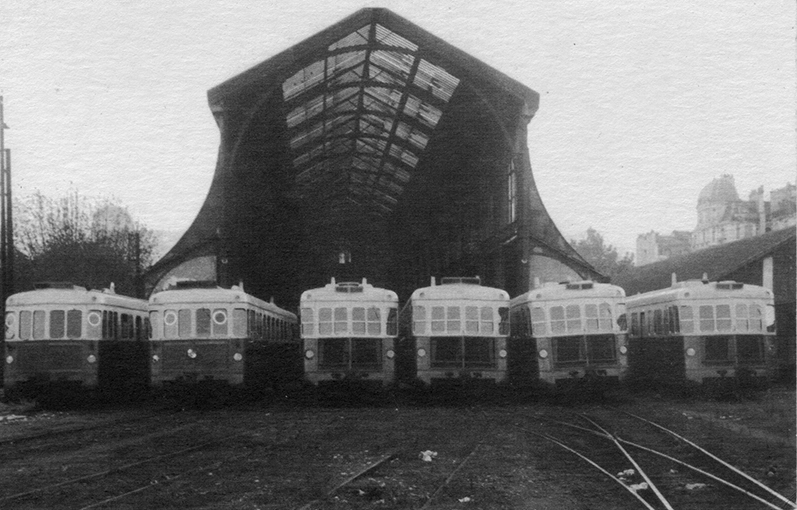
column 390, row 38
column 436, row 80
column 362, row 115
column 357, row 38
column 305, row 79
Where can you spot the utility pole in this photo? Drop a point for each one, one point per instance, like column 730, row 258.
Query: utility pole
column 6, row 224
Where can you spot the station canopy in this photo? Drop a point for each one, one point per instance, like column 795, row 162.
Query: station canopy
column 372, row 149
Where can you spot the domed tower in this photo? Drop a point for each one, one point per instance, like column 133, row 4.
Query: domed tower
column 721, row 215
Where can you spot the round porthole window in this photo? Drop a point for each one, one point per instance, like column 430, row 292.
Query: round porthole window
column 220, row 317
column 94, row 319
column 170, row 319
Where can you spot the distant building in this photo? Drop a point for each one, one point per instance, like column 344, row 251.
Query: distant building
column 723, row 217
column 653, row 247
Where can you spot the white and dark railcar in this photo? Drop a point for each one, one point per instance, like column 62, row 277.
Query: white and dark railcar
column 456, row 333
column 568, row 332
column 349, row 331
column 703, row 332
column 61, row 335
column 205, row 334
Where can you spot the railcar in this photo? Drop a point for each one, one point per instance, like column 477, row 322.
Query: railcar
column 456, row 333
column 703, row 332
column 205, row 334
column 569, row 332
column 349, row 331
column 60, row 335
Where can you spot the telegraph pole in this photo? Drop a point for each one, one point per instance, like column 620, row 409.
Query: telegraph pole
column 6, row 229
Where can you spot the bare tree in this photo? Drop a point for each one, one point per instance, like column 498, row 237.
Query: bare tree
column 602, row 256
column 87, row 241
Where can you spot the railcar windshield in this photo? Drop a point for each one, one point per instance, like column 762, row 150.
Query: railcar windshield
column 350, row 353
column 462, row 352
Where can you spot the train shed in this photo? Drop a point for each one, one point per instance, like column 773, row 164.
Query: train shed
column 371, row 149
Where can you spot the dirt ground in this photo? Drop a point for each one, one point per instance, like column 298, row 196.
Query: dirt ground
column 279, row 454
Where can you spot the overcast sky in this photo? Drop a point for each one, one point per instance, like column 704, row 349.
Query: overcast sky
column 642, row 104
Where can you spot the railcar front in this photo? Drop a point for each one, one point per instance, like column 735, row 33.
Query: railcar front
column 457, row 332
column 205, row 334
column 64, row 336
column 349, row 331
column 704, row 332
column 569, row 332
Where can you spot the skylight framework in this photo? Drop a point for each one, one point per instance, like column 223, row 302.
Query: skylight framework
column 360, row 118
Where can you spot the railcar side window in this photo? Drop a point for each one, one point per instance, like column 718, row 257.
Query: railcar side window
column 557, row 319
column 605, row 316
column 341, row 320
column 203, row 322
column 139, row 329
column 184, row 323
column 724, row 317
column 487, row 325
column 591, row 315
column 418, row 319
column 74, row 323
column 308, row 325
column 374, row 321
column 471, row 319
column 325, row 321
column 38, row 324
column 634, row 323
column 219, row 322
column 25, row 322
column 57, row 323
column 438, row 319
column 358, row 320
column 453, row 323
column 503, row 324
column 741, row 318
column 706, row 317
column 674, row 321
column 239, row 323
column 392, row 322
column 657, row 322
column 687, row 319
column 127, row 326
column 538, row 325
column 756, row 318
column 10, row 325
column 573, row 318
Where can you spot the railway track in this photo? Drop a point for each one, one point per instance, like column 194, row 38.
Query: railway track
column 653, row 464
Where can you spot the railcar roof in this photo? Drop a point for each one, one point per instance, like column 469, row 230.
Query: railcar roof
column 212, row 296
column 692, row 290
column 74, row 296
column 560, row 292
column 368, row 293
column 463, row 291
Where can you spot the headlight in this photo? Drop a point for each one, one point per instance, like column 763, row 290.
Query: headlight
column 623, row 349
column 237, row 356
column 9, row 359
column 543, row 353
column 502, row 353
column 309, row 354
column 191, row 353
column 155, row 357
column 92, row 358
column 421, row 353
column 390, row 354
column 690, row 352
